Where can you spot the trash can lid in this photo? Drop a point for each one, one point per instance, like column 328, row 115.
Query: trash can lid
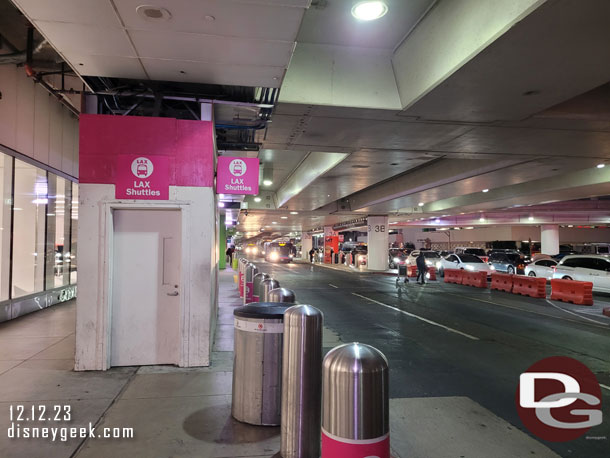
column 263, row 310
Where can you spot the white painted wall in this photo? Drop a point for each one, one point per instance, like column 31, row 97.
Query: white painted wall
column 35, row 124
column 199, row 269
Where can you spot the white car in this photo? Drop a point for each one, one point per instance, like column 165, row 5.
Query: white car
column 541, row 268
column 581, row 267
column 464, row 261
column 432, row 258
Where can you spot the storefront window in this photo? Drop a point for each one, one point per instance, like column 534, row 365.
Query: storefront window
column 29, row 221
column 58, row 232
column 73, row 233
column 6, row 178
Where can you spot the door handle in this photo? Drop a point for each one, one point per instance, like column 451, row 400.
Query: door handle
column 175, row 293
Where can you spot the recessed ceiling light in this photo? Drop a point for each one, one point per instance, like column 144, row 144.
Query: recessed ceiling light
column 570, row 225
column 531, row 218
column 153, row 13
column 284, row 217
column 482, row 218
column 485, row 190
column 601, row 166
column 421, row 204
column 257, row 199
column 437, row 221
column 273, row 222
column 369, row 10
column 294, row 213
column 267, row 182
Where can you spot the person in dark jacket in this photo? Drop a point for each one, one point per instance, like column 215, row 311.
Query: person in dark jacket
column 311, row 253
column 422, row 268
column 229, row 253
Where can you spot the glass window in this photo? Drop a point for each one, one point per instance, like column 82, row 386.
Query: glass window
column 29, row 221
column 470, row 258
column 6, row 178
column 58, row 232
column 73, row 232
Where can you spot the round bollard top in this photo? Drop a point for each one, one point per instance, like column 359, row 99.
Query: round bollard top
column 282, row 295
column 262, row 310
column 270, row 282
column 261, row 276
column 355, row 392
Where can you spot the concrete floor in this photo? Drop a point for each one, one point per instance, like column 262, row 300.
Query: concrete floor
column 186, row 412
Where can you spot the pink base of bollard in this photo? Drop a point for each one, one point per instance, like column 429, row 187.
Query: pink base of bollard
column 249, row 292
column 337, row 447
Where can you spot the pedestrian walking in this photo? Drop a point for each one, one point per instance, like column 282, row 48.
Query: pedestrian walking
column 422, row 268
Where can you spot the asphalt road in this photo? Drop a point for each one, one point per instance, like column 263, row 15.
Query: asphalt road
column 453, row 340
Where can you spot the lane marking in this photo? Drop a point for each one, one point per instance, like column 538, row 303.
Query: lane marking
column 605, row 387
column 425, row 320
column 330, row 284
column 522, row 310
column 575, row 314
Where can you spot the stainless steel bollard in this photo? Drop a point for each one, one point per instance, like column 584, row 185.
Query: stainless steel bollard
column 355, row 402
column 301, row 382
column 282, row 295
column 242, row 264
column 266, row 287
column 251, row 271
column 256, row 285
column 257, row 363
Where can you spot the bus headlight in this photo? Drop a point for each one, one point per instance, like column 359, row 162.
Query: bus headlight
column 254, row 250
column 274, row 256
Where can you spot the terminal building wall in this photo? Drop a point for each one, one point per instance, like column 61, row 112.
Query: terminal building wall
column 39, row 191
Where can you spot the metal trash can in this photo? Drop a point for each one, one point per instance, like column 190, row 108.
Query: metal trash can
column 281, row 295
column 402, row 270
column 266, row 287
column 257, row 363
column 256, row 285
column 249, row 273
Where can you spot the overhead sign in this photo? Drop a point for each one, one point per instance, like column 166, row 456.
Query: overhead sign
column 142, row 177
column 237, row 175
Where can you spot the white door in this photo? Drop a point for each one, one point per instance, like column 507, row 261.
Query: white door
column 145, row 287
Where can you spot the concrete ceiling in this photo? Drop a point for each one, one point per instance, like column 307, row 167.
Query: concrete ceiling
column 433, row 103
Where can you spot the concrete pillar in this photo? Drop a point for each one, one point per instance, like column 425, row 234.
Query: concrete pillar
column 222, row 243
column 306, row 245
column 378, row 242
column 549, row 239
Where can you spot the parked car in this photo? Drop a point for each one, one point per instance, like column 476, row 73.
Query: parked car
column 433, row 259
column 593, row 268
column 541, row 268
column 508, row 261
column 397, row 257
column 480, row 252
column 464, row 262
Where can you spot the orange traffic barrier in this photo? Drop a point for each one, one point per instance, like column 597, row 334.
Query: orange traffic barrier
column 432, row 273
column 453, row 276
column 606, row 311
column 576, row 292
column 502, row 282
column 411, row 271
column 529, row 286
column 476, row 279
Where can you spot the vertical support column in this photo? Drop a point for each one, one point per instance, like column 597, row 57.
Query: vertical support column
column 378, row 243
column 549, row 239
column 306, row 245
column 222, row 243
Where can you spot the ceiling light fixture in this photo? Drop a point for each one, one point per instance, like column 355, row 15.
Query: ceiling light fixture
column 485, row 190
column 257, row 199
column 482, row 219
column 153, row 13
column 267, row 182
column 284, row 217
column 421, row 204
column 273, row 222
column 601, row 166
column 221, row 204
column 531, row 218
column 369, row 10
column 294, row 213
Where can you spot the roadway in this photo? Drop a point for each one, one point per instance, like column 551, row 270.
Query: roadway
column 452, row 340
